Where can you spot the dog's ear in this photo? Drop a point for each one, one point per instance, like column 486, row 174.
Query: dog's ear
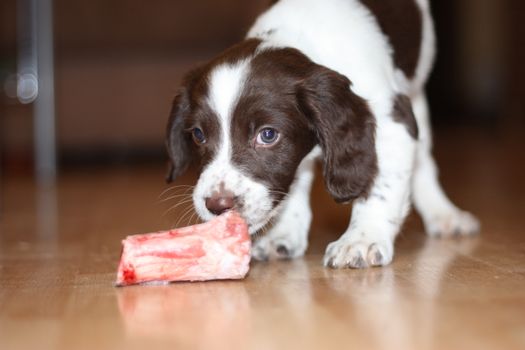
column 178, row 142
column 345, row 130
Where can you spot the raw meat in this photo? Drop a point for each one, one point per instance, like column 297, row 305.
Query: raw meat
column 218, row 249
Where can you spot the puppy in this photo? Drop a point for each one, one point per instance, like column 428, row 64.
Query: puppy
column 337, row 80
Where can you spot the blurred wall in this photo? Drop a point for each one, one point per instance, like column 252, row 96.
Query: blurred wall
column 478, row 73
column 118, row 66
column 119, row 63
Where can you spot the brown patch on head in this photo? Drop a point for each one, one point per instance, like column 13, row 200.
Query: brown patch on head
column 401, row 21
column 308, row 104
column 402, row 113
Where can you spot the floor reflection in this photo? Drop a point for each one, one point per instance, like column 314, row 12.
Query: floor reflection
column 47, row 213
column 397, row 310
column 233, row 314
column 220, row 311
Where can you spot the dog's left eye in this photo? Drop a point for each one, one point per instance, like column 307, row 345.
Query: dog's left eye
column 198, row 136
column 267, row 136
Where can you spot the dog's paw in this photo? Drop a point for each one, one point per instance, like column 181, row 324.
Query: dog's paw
column 358, row 254
column 279, row 246
column 452, row 223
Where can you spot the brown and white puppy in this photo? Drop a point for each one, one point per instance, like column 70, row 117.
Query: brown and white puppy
column 339, row 80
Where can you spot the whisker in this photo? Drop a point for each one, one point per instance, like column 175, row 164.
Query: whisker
column 190, row 220
column 185, row 202
column 176, row 225
column 187, row 192
column 183, row 188
column 284, row 194
column 197, row 219
column 265, row 228
column 186, row 195
column 278, row 192
column 186, row 213
column 176, row 187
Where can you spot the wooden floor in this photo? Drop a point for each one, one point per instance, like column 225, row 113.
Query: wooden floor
column 59, row 250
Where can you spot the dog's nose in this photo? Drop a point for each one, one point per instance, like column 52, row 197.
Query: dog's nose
column 219, row 203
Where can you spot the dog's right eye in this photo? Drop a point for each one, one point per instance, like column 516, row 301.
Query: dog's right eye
column 198, row 136
column 267, row 137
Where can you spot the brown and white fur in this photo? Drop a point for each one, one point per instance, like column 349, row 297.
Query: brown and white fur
column 336, row 80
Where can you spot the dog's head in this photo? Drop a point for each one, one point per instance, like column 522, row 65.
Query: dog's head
column 251, row 116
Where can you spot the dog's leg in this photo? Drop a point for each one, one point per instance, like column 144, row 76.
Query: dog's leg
column 288, row 237
column 440, row 215
column 376, row 220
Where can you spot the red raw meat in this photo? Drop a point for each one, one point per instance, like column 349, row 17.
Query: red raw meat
column 218, row 249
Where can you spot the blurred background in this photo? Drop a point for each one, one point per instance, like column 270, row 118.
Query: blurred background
column 117, row 64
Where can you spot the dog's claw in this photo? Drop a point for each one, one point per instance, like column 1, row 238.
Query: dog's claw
column 259, row 254
column 358, row 254
column 375, row 256
column 280, row 247
column 357, row 262
column 454, row 223
column 283, row 251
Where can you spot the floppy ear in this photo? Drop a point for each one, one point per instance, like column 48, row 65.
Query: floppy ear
column 178, row 143
column 345, row 130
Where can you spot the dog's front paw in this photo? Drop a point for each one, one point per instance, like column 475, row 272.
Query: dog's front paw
column 452, row 223
column 358, row 254
column 279, row 246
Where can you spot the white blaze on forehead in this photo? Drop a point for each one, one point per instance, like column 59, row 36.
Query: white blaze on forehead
column 225, row 87
column 226, row 82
